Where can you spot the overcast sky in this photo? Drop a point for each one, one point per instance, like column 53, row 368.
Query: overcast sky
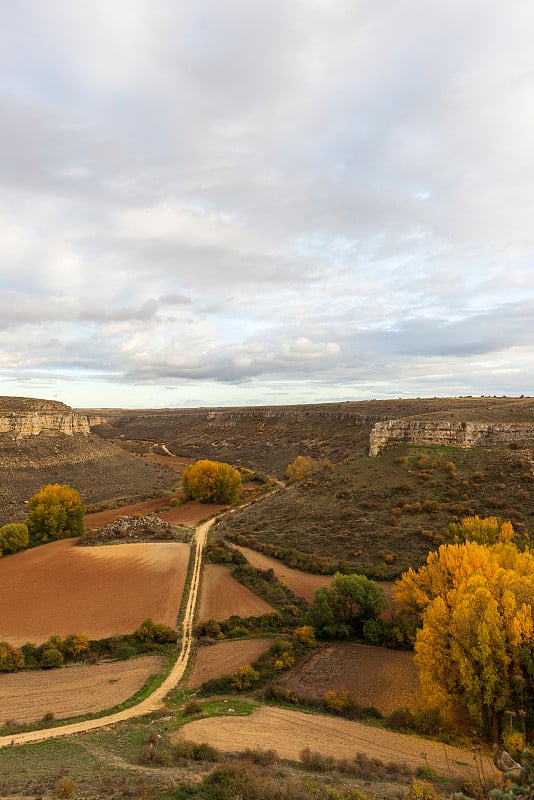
column 234, row 202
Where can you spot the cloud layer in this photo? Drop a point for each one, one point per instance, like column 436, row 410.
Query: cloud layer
column 207, row 203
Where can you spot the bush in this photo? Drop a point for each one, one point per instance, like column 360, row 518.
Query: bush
column 51, row 658
column 316, row 761
column 422, row 790
column 191, row 708
column 245, row 678
column 13, row 537
column 155, row 633
column 263, row 757
column 305, row 466
column 193, row 751
column 401, row 719
column 11, row 658
column 65, row 789
column 338, row 701
column 342, row 609
column 124, row 651
column 75, row 646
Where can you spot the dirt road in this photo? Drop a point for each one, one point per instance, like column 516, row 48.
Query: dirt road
column 153, row 702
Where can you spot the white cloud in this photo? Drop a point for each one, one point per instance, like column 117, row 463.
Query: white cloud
column 296, row 199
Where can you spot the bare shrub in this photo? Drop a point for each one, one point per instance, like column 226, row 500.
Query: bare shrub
column 65, row 789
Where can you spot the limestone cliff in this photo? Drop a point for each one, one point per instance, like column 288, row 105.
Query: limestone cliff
column 21, row 417
column 446, row 432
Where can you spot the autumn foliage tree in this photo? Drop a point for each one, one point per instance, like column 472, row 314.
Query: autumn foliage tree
column 305, row 466
column 56, row 512
column 13, row 537
column 211, row 482
column 484, row 531
column 474, row 649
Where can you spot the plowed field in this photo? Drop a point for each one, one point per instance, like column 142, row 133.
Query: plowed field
column 374, row 676
column 28, row 696
column 221, row 596
column 190, row 513
column 224, row 659
column 304, row 583
column 60, row 588
column 289, row 732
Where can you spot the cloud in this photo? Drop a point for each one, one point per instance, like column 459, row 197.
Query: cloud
column 331, row 195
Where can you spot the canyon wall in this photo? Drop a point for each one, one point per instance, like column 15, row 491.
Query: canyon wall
column 22, row 417
column 444, row 432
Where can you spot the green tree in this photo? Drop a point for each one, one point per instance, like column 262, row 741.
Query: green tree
column 56, row 512
column 211, row 482
column 340, row 610
column 475, row 603
column 13, row 536
column 51, row 658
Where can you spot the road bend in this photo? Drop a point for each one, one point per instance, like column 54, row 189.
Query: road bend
column 155, row 700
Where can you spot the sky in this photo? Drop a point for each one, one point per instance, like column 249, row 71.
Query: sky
column 235, row 202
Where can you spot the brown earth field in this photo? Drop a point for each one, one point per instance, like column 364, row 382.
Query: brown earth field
column 27, row 696
column 289, row 732
column 224, row 658
column 60, row 588
column 190, row 513
column 304, row 583
column 374, row 676
column 221, row 596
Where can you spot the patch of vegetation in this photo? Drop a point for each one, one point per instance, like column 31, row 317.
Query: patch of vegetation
column 150, row 638
column 379, row 516
column 284, row 652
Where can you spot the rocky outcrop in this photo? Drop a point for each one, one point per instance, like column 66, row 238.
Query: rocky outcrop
column 21, row 417
column 445, row 432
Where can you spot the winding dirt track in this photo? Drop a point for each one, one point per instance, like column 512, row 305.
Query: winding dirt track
column 287, row 731
column 153, row 702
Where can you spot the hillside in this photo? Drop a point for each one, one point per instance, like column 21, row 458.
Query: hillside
column 374, row 515
column 47, row 442
column 267, row 438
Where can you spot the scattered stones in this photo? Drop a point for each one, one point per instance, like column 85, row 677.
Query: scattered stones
column 149, row 528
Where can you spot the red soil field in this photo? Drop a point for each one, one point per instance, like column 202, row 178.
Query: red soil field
column 72, row 691
column 60, row 588
column 224, row 659
column 221, row 596
column 191, row 513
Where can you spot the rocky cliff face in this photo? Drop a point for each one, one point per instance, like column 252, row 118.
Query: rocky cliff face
column 444, row 432
column 21, row 417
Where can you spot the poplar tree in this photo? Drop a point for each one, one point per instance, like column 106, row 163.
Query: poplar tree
column 474, row 648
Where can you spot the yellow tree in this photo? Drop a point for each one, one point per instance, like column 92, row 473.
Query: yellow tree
column 305, row 466
column 484, row 531
column 211, row 482
column 56, row 512
column 476, row 605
